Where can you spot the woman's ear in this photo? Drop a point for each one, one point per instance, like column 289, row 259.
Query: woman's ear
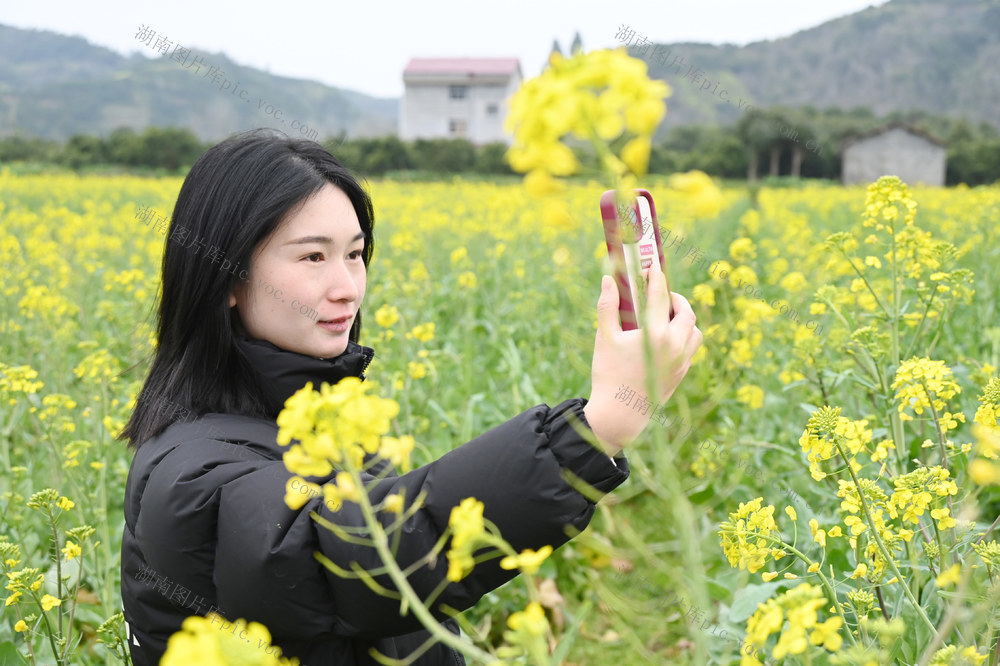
column 232, row 298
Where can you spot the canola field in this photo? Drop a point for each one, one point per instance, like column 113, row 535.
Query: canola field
column 851, row 342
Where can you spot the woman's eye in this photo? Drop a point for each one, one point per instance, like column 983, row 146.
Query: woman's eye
column 357, row 254
column 315, row 256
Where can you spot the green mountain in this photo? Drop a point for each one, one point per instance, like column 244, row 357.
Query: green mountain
column 934, row 56
column 53, row 86
column 928, row 55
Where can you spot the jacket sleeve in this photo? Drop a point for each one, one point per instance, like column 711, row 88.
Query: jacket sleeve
column 265, row 567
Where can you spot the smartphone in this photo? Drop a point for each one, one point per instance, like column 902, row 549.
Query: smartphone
column 633, row 238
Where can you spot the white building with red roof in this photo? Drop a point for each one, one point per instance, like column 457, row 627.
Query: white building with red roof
column 457, row 98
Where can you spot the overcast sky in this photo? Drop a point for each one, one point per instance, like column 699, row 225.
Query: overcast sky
column 364, row 46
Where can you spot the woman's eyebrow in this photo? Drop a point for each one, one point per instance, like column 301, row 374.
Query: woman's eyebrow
column 321, row 239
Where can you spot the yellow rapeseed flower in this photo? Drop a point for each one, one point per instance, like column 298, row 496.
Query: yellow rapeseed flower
column 72, row 550
column 921, row 383
column 528, row 561
column 467, row 525
column 422, row 332
column 49, row 602
column 745, row 536
column 750, row 395
column 393, row 503
column 212, row 641
column 949, row 576
column 386, row 316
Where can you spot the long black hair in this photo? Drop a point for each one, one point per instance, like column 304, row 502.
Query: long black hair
column 232, row 200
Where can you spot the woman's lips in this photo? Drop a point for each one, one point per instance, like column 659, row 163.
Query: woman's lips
column 338, row 325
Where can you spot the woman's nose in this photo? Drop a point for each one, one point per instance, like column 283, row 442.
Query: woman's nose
column 343, row 285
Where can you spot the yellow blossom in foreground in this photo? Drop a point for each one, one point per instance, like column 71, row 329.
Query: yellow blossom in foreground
column 336, row 424
column 599, row 95
column 702, row 197
column 21, row 626
column 950, row 576
column 213, row 641
column 529, row 629
column 344, row 488
column 397, row 450
column 298, row 491
column 467, row 525
column 393, row 503
column 65, row 503
column 528, row 561
column 799, row 606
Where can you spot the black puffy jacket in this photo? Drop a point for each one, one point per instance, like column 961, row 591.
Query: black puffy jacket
column 207, row 527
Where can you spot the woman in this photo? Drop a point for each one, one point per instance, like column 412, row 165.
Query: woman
column 264, row 275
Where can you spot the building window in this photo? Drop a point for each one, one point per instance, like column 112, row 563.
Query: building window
column 458, row 92
column 491, row 109
column 457, row 128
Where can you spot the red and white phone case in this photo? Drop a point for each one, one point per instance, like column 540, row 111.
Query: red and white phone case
column 633, row 239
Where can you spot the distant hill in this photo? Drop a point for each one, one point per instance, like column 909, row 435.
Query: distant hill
column 54, row 86
column 930, row 55
column 936, row 56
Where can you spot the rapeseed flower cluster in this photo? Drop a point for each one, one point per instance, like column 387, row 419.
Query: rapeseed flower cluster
column 336, row 425
column 18, row 379
column 237, row 643
column 468, row 528
column 984, row 468
column 921, row 384
column 888, row 200
column 749, row 534
column 828, row 434
column 596, row 95
column 916, row 491
column 798, row 607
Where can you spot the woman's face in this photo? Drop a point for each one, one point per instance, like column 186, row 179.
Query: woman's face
column 307, row 280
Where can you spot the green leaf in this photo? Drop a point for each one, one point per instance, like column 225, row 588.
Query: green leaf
column 10, row 655
column 746, row 600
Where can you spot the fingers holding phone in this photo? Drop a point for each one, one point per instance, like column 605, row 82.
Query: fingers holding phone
column 643, row 298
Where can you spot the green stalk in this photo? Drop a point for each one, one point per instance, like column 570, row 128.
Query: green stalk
column 55, row 547
column 381, row 542
column 681, row 507
column 881, row 545
column 824, row 581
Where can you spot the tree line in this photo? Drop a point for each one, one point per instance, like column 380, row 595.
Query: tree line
column 776, row 142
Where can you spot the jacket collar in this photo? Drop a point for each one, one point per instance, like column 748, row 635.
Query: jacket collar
column 282, row 372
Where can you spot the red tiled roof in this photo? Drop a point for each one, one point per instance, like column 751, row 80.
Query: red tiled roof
column 467, row 66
